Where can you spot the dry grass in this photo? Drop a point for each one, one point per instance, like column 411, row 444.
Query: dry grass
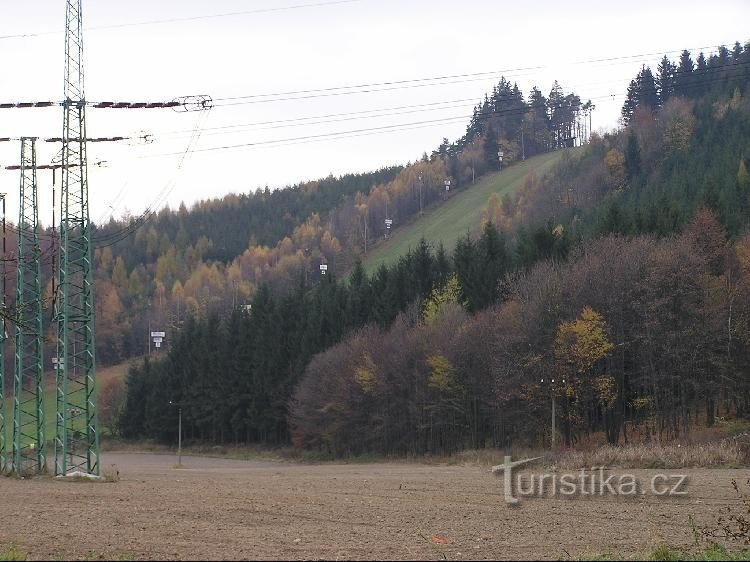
column 491, row 457
column 728, row 453
column 722, row 454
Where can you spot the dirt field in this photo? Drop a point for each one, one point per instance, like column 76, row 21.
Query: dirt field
column 226, row 509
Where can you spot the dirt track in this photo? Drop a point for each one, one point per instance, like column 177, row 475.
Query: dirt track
column 224, row 509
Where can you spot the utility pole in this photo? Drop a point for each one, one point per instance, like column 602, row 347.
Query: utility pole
column 523, row 145
column 554, row 430
column 3, row 271
column 28, row 384
column 367, row 213
column 388, row 222
column 77, row 424
column 179, row 436
column 420, row 193
column 179, row 432
column 554, row 416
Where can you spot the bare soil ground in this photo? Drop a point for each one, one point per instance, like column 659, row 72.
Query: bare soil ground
column 230, row 509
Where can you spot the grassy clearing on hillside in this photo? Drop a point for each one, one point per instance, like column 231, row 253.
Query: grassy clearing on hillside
column 462, row 213
column 103, row 375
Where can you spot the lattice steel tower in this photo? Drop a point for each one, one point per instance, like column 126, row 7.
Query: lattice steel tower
column 77, row 426
column 28, row 385
column 3, row 451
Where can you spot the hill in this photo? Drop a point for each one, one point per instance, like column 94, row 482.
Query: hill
column 446, row 223
column 596, row 273
column 214, row 257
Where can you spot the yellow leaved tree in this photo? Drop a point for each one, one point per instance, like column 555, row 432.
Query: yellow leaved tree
column 580, row 348
column 365, row 375
column 441, row 296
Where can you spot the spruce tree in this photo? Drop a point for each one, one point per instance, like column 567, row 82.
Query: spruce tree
column 684, row 74
column 630, row 104
column 647, row 94
column 491, row 146
column 665, row 80
column 700, row 77
column 632, row 156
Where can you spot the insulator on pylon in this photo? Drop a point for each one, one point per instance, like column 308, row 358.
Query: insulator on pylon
column 192, row 103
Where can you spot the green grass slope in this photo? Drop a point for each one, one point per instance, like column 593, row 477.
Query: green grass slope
column 103, row 376
column 461, row 213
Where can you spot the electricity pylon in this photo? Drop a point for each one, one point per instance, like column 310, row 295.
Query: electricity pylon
column 77, row 425
column 28, row 384
column 3, row 451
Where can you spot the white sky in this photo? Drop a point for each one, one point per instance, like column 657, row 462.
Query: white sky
column 358, row 42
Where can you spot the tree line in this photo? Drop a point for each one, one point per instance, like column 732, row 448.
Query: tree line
column 719, row 72
column 546, row 284
column 644, row 337
column 234, row 375
column 215, row 255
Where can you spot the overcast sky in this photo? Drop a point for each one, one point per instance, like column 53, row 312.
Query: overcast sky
column 286, row 47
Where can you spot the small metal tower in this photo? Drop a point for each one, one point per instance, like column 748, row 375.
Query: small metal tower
column 77, row 426
column 28, row 385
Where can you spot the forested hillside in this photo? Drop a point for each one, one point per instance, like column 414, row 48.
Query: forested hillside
column 215, row 256
column 450, row 221
column 624, row 273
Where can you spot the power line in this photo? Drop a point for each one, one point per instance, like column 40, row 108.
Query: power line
column 332, row 117
column 377, row 84
column 416, row 82
column 201, row 102
column 336, row 135
column 114, row 237
column 187, row 18
column 397, row 126
column 186, row 103
column 373, row 113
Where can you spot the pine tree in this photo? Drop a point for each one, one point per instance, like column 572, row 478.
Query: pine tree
column 442, row 264
column 665, row 80
column 737, row 52
column 630, row 104
column 647, row 94
column 491, row 146
column 701, row 77
column 684, row 75
column 493, row 261
column 359, row 298
column 632, row 156
column 469, row 275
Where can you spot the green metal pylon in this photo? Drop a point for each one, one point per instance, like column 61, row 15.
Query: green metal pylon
column 4, row 461
column 77, row 425
column 28, row 384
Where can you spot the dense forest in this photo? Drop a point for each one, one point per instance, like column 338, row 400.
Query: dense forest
column 625, row 273
column 215, row 256
column 237, row 373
